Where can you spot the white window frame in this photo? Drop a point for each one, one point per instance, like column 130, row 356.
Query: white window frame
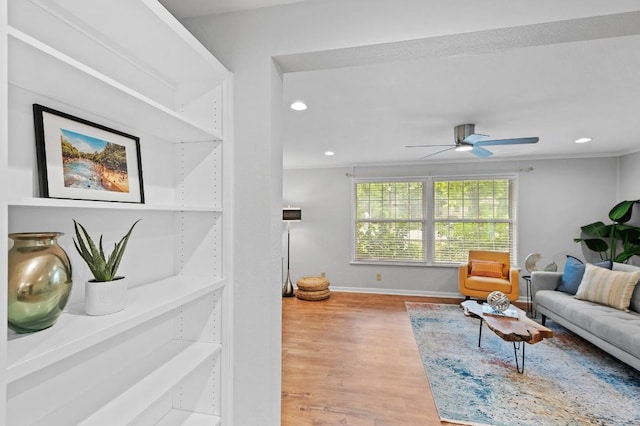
column 353, row 227
column 513, row 178
column 428, row 219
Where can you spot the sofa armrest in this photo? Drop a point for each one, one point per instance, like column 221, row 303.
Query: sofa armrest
column 544, row 280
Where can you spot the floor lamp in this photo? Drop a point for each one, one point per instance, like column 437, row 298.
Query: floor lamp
column 289, row 214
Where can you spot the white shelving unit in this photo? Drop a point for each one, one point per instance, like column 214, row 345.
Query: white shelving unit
column 165, row 359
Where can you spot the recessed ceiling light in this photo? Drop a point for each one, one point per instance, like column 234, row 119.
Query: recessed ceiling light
column 329, row 153
column 583, row 140
column 298, row 106
column 464, row 147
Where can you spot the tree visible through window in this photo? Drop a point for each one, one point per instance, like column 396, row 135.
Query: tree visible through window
column 389, row 221
column 394, row 222
column 471, row 215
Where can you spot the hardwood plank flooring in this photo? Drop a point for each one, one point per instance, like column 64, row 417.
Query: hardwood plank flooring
column 352, row 360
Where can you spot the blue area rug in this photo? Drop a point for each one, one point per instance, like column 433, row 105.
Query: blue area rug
column 566, row 381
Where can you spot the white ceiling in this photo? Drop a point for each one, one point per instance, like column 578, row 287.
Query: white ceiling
column 558, row 81
column 192, row 8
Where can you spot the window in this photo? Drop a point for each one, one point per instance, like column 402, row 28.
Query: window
column 471, row 214
column 394, row 222
column 389, row 222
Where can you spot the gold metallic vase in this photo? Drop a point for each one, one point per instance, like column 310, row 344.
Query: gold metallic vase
column 39, row 281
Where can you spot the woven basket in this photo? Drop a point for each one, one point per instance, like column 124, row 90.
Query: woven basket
column 313, row 295
column 313, row 283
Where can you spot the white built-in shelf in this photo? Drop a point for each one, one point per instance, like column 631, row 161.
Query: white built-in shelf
column 75, row 331
column 128, row 393
column 188, row 418
column 102, row 205
column 76, row 84
column 147, row 35
column 130, row 65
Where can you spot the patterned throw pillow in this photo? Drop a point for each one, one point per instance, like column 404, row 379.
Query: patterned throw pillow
column 486, row 268
column 611, row 288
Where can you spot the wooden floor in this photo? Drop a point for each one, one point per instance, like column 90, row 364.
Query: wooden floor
column 352, row 360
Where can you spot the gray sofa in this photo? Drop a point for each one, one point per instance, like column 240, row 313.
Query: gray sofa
column 614, row 331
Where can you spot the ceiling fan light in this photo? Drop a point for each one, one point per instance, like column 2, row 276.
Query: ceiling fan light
column 464, row 147
column 583, row 140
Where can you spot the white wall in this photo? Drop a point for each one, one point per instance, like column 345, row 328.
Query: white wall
column 553, row 201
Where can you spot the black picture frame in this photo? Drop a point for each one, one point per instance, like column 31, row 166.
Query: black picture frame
column 82, row 160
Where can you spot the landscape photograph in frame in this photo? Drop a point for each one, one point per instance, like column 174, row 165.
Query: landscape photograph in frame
column 81, row 160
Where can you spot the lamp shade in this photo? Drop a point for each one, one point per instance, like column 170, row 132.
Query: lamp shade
column 291, row 214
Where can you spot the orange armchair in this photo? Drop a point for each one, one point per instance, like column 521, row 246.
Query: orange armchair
column 488, row 271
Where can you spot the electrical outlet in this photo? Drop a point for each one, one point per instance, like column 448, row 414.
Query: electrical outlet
column 378, row 277
column 322, row 274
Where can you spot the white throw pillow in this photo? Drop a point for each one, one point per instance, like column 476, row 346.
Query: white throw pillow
column 611, row 288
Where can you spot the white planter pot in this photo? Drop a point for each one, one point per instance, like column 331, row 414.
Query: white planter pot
column 103, row 298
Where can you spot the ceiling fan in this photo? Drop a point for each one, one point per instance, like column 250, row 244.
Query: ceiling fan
column 467, row 140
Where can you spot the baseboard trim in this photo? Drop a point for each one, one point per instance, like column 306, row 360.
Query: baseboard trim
column 396, row 292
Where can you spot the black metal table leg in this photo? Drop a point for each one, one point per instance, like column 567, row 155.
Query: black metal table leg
column 480, row 333
column 519, row 347
column 527, row 279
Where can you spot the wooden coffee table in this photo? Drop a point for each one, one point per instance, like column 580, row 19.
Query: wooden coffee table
column 519, row 330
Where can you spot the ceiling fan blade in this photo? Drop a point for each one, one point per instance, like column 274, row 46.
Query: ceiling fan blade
column 424, row 146
column 516, row 141
column 438, row 152
column 481, row 152
column 474, row 138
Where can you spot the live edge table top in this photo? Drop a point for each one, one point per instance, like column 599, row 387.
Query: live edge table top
column 522, row 329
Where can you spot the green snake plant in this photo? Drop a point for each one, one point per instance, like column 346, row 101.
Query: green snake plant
column 102, row 267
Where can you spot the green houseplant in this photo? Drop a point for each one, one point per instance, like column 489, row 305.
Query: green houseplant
column 616, row 241
column 107, row 292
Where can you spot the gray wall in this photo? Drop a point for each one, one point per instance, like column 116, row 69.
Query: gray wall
column 553, row 201
column 629, row 188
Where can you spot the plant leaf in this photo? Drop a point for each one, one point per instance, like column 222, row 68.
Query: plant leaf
column 118, row 251
column 621, row 212
column 626, row 255
column 88, row 251
column 596, row 244
column 101, row 250
column 80, row 245
column 596, row 229
column 628, row 233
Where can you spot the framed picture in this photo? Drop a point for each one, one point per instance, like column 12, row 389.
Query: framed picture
column 81, row 160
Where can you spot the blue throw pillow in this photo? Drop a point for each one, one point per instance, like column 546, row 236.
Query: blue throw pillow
column 573, row 272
